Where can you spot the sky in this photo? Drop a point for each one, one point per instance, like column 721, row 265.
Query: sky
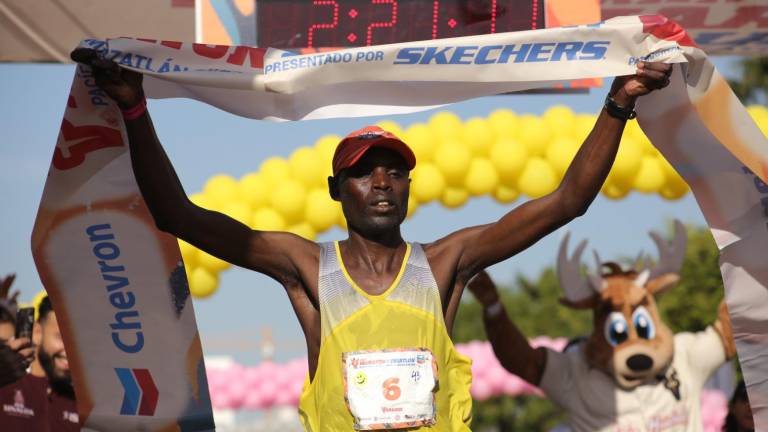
column 203, row 141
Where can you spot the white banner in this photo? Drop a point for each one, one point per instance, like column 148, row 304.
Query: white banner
column 113, row 276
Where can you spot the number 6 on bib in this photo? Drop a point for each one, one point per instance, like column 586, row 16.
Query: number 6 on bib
column 390, row 389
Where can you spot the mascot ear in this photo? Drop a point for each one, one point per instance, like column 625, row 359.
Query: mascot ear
column 586, row 303
column 662, row 283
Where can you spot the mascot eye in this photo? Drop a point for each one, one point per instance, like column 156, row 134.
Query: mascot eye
column 616, row 329
column 643, row 323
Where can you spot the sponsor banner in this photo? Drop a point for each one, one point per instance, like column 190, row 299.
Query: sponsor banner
column 723, row 27
column 119, row 281
column 118, row 284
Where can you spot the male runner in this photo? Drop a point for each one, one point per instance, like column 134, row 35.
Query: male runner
column 372, row 303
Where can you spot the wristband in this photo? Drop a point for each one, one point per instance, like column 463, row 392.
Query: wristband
column 494, row 309
column 136, row 111
column 614, row 110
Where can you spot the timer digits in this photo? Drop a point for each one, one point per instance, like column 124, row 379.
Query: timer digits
column 291, row 24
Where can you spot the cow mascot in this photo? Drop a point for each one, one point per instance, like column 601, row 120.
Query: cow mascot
column 632, row 374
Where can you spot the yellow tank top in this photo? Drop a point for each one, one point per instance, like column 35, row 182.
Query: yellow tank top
column 408, row 314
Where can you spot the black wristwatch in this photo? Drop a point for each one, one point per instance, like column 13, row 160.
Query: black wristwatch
column 619, row 112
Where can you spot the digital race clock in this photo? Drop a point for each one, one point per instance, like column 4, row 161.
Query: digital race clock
column 290, row 24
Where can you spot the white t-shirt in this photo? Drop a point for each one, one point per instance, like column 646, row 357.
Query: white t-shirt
column 595, row 403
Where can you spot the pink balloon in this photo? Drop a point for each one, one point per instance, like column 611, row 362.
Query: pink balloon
column 237, row 393
column 253, row 401
column 268, row 393
column 496, row 377
column 714, row 409
column 480, row 389
column 512, row 385
column 283, row 397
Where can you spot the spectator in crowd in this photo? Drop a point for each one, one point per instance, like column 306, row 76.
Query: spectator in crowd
column 15, row 354
column 42, row 400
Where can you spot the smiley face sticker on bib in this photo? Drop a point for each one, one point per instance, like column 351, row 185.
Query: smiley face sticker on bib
column 390, row 389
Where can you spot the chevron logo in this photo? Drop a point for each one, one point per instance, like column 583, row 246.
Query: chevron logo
column 140, row 392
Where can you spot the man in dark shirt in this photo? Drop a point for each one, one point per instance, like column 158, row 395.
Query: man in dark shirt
column 15, row 353
column 42, row 400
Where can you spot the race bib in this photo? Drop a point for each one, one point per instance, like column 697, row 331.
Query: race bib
column 390, row 389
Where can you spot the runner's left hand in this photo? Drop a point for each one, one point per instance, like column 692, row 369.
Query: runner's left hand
column 649, row 76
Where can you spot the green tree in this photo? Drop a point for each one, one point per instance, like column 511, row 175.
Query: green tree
column 691, row 305
column 754, row 80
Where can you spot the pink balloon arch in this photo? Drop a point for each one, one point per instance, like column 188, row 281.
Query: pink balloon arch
column 280, row 384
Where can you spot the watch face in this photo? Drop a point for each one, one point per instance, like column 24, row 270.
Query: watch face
column 295, row 24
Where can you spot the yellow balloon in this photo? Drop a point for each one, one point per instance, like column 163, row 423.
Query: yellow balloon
column 325, row 147
column 267, row 219
column 613, row 190
column 505, row 123
column 421, row 140
column 288, row 199
column 454, row 197
column 305, row 167
column 203, row 283
column 537, row 179
column 453, row 159
column 254, row 190
column 482, row 177
column 504, row 194
column 210, row 262
column 303, row 229
column 202, row 200
column 342, row 221
column 650, row 178
column 321, row 211
column 36, row 300
column 632, row 130
column 649, row 149
column 274, row 171
column 413, row 204
column 760, row 116
column 428, row 182
column 628, row 160
column 478, row 135
column 390, row 126
column 560, row 120
column 583, row 126
column 445, row 126
column 188, row 253
column 237, row 210
column 221, row 189
column 534, row 134
column 509, row 157
column 561, row 152
column 675, row 186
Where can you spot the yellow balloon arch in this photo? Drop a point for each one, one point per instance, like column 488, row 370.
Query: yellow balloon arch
column 503, row 155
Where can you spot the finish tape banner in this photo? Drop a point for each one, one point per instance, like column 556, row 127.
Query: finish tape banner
column 118, row 284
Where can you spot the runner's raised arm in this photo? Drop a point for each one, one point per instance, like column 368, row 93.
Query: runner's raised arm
column 483, row 246
column 271, row 253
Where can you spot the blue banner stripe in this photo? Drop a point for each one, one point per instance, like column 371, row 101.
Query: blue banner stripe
column 132, row 392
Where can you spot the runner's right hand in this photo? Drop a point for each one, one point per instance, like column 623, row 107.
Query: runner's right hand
column 122, row 85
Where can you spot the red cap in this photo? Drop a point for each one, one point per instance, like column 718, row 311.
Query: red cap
column 354, row 146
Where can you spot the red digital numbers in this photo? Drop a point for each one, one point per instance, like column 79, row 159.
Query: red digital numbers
column 313, row 27
column 435, row 13
column 493, row 16
column 345, row 23
column 390, row 23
